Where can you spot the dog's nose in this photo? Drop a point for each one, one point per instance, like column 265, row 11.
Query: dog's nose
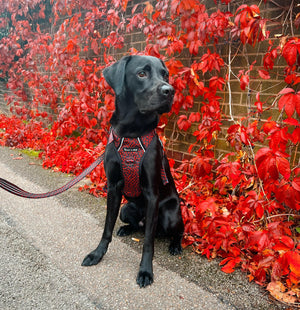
column 167, row 91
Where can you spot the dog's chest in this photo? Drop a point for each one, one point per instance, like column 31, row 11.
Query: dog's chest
column 131, row 151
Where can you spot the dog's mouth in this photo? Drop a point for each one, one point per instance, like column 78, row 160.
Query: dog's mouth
column 156, row 104
column 165, row 108
column 160, row 108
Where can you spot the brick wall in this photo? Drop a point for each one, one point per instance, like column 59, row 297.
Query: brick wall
column 3, row 107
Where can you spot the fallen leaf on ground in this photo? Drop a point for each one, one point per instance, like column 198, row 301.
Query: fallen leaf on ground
column 278, row 291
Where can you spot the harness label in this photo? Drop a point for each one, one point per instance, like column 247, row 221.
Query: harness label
column 128, row 149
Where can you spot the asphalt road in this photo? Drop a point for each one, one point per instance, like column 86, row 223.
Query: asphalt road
column 43, row 243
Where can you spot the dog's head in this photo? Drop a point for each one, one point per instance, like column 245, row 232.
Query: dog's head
column 144, row 80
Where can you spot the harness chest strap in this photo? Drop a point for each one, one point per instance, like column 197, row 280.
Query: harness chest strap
column 132, row 151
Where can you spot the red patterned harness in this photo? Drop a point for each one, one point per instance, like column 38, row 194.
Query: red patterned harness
column 132, row 151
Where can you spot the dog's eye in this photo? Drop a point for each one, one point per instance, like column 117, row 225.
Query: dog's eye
column 142, row 74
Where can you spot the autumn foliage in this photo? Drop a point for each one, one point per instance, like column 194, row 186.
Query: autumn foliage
column 242, row 206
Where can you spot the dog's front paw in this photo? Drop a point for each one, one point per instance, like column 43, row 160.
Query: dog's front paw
column 93, row 258
column 144, row 278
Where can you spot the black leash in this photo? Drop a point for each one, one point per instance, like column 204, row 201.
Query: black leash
column 14, row 189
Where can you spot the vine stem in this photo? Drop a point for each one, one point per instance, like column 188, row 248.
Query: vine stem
column 278, row 215
column 228, row 79
column 191, row 184
column 291, row 18
column 260, row 181
column 228, row 84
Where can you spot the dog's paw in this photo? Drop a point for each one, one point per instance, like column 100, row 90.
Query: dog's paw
column 126, row 230
column 93, row 258
column 144, row 278
column 175, row 249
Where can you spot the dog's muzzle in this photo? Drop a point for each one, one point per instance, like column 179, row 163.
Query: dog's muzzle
column 160, row 100
column 166, row 93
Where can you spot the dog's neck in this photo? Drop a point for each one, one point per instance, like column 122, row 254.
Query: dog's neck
column 131, row 123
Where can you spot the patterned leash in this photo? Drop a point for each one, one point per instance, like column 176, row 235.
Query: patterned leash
column 14, row 189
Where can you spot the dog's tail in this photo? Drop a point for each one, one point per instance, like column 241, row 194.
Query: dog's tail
column 14, row 189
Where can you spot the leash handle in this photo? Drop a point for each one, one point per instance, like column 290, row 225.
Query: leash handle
column 14, row 189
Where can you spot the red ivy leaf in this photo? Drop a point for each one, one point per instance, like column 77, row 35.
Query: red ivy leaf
column 291, row 122
column 183, row 123
column 258, row 103
column 195, row 117
column 286, row 91
column 283, row 166
column 188, row 102
column 244, row 81
column 289, row 52
column 289, row 102
column 216, row 83
column 264, row 74
column 297, row 103
column 229, row 263
column 296, row 184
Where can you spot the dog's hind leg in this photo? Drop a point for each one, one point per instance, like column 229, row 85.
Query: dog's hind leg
column 131, row 214
column 175, row 247
column 170, row 222
column 176, row 229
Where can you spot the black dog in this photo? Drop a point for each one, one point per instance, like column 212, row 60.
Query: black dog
column 142, row 94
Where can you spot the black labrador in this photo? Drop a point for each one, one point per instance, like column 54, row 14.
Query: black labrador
column 142, row 94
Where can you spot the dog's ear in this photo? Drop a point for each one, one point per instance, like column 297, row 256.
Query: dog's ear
column 163, row 64
column 115, row 75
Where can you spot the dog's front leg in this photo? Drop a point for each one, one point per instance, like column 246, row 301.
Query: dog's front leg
column 114, row 197
column 145, row 274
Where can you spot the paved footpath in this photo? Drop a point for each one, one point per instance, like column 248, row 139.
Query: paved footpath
column 42, row 244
